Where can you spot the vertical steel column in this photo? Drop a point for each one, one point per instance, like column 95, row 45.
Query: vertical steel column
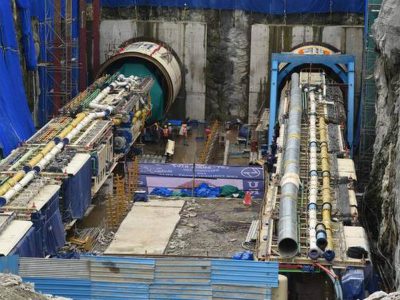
column 273, row 99
column 287, row 236
column 350, row 106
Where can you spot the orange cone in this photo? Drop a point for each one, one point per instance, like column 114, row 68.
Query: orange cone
column 247, row 199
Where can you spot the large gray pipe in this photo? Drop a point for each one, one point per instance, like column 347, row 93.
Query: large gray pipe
column 288, row 227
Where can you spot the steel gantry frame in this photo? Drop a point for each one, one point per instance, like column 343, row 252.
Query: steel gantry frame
column 343, row 65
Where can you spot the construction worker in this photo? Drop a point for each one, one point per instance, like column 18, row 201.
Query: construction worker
column 207, row 132
column 184, row 133
column 253, row 151
column 165, row 133
column 170, row 130
column 157, row 131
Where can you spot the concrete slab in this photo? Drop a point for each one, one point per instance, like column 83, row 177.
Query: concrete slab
column 147, row 228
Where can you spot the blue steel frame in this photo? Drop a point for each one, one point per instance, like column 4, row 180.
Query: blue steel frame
column 333, row 62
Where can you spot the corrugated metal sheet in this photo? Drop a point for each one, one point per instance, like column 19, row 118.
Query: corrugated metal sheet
column 244, row 273
column 70, row 288
column 239, row 292
column 114, row 269
column 9, row 264
column 54, row 268
column 180, row 291
column 94, row 277
column 113, row 290
column 183, row 271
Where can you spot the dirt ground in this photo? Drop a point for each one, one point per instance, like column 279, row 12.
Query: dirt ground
column 212, row 227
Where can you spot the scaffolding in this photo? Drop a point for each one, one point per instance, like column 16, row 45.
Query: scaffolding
column 369, row 94
column 117, row 204
column 60, row 63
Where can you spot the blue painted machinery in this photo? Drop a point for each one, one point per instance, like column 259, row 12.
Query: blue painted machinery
column 341, row 65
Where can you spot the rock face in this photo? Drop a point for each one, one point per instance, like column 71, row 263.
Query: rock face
column 382, row 202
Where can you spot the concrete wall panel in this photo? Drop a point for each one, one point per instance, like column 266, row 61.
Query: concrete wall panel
column 334, row 36
column 259, row 58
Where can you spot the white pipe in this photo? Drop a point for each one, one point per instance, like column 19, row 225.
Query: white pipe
column 17, row 187
column 48, row 157
column 95, row 103
column 314, row 252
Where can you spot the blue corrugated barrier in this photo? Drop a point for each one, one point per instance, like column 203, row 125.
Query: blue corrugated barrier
column 109, row 277
column 9, row 264
column 276, row 7
column 16, row 122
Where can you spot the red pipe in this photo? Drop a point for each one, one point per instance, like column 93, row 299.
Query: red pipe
column 326, row 270
column 82, row 46
column 96, row 35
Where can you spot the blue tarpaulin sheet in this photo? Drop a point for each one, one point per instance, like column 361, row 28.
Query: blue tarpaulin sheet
column 77, row 192
column 16, row 122
column 277, row 7
column 353, row 284
column 24, row 9
column 50, row 234
column 27, row 246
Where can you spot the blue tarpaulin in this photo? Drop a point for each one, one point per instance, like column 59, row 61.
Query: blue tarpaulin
column 77, row 192
column 277, row 7
column 16, row 122
column 49, row 229
column 24, row 9
column 160, row 191
column 27, row 246
column 353, row 284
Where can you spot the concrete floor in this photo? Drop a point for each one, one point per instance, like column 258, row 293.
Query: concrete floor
column 147, row 227
column 212, row 227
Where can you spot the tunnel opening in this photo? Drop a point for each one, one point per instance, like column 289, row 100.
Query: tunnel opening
column 150, row 58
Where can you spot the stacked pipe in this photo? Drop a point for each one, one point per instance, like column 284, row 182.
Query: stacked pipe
column 288, row 225
column 314, row 251
column 22, row 178
column 326, row 227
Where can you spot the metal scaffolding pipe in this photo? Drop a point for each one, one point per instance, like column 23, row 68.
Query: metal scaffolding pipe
column 288, row 236
column 329, row 253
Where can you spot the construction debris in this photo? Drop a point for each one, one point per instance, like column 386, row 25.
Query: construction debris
column 13, row 288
